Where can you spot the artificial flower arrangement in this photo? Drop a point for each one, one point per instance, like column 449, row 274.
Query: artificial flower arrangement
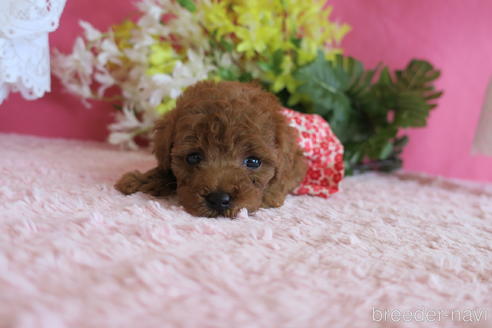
column 291, row 47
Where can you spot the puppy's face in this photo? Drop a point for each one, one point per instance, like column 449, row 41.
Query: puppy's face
column 229, row 147
column 222, row 160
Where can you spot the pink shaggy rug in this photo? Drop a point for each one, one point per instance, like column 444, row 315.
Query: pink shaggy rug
column 388, row 251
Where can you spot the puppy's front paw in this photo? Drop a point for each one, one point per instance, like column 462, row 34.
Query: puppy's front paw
column 270, row 200
column 130, row 183
column 155, row 182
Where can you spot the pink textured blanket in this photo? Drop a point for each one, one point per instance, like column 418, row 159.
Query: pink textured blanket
column 75, row 253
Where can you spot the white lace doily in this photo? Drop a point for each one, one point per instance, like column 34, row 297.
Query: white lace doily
column 24, row 49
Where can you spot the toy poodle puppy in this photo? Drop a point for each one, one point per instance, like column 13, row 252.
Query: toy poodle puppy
column 226, row 146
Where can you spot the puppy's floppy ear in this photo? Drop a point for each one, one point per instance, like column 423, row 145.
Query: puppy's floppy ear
column 163, row 139
column 290, row 165
column 160, row 180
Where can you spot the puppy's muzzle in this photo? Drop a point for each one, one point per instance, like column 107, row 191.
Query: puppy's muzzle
column 219, row 201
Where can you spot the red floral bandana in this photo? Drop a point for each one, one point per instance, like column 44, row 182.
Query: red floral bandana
column 323, row 151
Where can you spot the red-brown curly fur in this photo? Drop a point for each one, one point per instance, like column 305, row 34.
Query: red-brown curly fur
column 225, row 122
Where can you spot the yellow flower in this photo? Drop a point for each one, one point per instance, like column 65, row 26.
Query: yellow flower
column 123, row 33
column 307, row 52
column 162, row 58
column 166, row 106
column 333, row 53
column 217, row 15
column 281, row 35
column 340, row 33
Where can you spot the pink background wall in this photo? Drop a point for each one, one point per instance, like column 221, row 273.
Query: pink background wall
column 455, row 35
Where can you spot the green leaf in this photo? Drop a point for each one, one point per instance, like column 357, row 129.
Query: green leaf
column 385, row 77
column 188, row 4
column 401, row 142
column 264, row 66
column 227, row 74
column 362, row 84
column 245, row 77
column 386, row 150
column 276, row 61
column 296, row 41
column 365, row 108
column 411, row 110
column 433, row 95
column 331, row 87
column 227, row 45
column 355, row 157
column 376, row 146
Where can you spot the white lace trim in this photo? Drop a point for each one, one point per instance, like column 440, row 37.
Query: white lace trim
column 483, row 136
column 24, row 49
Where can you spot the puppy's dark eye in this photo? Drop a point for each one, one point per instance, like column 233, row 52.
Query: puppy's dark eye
column 194, row 158
column 252, row 162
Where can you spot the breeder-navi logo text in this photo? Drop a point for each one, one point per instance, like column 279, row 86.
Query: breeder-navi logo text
column 429, row 315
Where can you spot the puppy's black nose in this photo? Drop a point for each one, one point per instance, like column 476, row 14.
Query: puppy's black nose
column 218, row 200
